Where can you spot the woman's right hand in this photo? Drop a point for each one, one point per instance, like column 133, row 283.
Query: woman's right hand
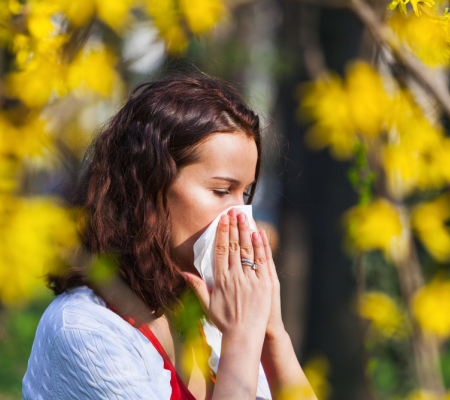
column 240, row 301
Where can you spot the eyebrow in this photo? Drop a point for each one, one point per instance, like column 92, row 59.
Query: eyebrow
column 232, row 180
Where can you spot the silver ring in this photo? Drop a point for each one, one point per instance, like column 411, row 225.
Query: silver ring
column 249, row 263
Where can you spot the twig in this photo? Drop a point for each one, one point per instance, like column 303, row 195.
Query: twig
column 360, row 290
column 425, row 347
column 404, row 57
column 327, row 3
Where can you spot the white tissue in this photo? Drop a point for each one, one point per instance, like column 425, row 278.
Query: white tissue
column 204, row 246
column 205, row 263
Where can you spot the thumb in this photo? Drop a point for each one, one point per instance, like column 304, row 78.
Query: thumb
column 198, row 285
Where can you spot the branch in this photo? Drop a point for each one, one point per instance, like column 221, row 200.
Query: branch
column 328, row 3
column 425, row 347
column 362, row 323
column 403, row 56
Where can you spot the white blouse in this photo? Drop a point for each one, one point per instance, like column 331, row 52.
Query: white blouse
column 83, row 350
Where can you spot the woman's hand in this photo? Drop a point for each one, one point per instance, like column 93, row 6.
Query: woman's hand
column 275, row 324
column 241, row 297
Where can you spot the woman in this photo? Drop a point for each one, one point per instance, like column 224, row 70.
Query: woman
column 179, row 152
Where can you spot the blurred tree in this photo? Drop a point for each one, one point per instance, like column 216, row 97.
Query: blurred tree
column 315, row 193
column 390, row 120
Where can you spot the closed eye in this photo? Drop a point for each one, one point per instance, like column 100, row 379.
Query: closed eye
column 220, row 192
column 223, row 193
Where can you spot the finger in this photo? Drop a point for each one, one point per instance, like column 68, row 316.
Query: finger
column 260, row 255
column 269, row 256
column 221, row 248
column 245, row 239
column 198, row 285
column 254, row 223
column 235, row 253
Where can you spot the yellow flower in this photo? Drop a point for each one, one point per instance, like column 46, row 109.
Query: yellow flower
column 344, row 110
column 93, row 70
column 8, row 9
column 429, row 222
column 400, row 165
column 317, row 370
column 294, row 392
column 20, row 138
column 40, row 26
column 29, row 48
column 168, row 16
column 402, row 109
column 45, row 75
column 38, row 80
column 326, row 102
column 194, row 355
column 379, row 225
column 414, row 3
column 368, row 102
column 426, row 37
column 8, row 175
column 384, row 314
column 444, row 22
column 431, row 306
column 176, row 40
column 416, row 153
column 39, row 20
column 201, row 15
column 417, row 158
column 79, row 12
column 401, row 3
column 33, row 233
column 115, row 13
column 434, row 169
column 164, row 13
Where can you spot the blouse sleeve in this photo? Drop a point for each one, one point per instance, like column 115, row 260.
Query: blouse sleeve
column 92, row 365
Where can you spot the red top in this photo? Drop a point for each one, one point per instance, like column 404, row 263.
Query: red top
column 179, row 389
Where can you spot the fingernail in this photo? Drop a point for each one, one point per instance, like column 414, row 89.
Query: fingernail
column 224, row 219
column 255, row 235
column 241, row 217
column 232, row 213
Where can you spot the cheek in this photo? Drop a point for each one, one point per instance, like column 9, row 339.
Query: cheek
column 191, row 212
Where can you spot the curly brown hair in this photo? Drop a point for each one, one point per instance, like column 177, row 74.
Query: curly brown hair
column 129, row 166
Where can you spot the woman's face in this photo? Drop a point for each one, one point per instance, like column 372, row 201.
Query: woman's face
column 201, row 191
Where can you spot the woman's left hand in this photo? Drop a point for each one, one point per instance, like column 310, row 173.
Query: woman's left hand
column 275, row 324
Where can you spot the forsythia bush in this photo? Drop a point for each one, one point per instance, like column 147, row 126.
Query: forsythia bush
column 401, row 151
column 61, row 63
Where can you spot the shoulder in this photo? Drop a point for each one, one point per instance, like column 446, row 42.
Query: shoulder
column 81, row 346
column 80, row 309
column 80, row 319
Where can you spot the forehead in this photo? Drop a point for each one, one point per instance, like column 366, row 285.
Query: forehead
column 228, row 154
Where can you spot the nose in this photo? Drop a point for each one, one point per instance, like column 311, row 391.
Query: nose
column 240, row 200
